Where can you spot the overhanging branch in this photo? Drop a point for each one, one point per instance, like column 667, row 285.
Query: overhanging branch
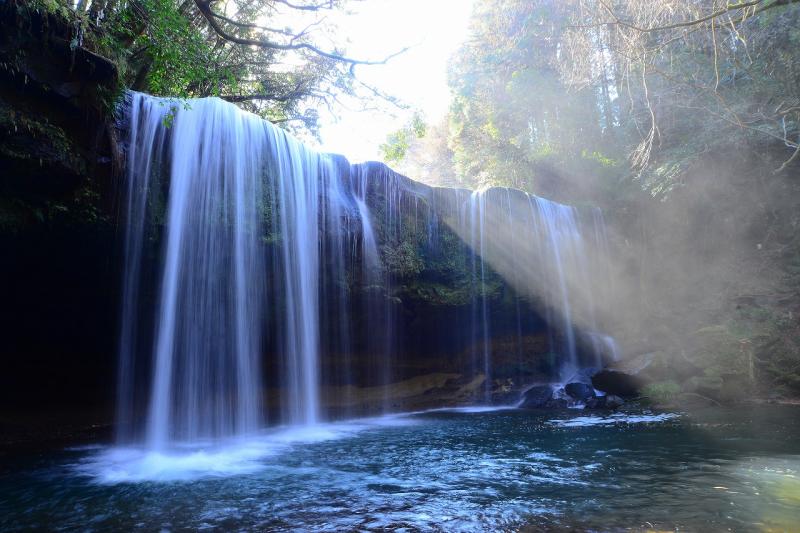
column 758, row 5
column 213, row 20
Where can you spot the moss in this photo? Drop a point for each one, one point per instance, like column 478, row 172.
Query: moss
column 437, row 293
column 13, row 215
column 662, row 392
column 718, row 349
column 402, row 260
column 51, row 143
column 53, row 7
column 111, row 98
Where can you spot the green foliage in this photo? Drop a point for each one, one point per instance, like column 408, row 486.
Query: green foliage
column 396, row 146
column 180, row 54
column 54, row 7
column 550, row 98
column 438, row 293
column 662, row 392
column 402, row 259
column 168, row 48
column 512, row 120
column 397, row 143
column 13, row 122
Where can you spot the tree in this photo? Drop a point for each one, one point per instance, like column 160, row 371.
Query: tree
column 570, row 98
column 716, row 68
column 513, row 119
column 196, row 48
column 421, row 151
column 397, row 143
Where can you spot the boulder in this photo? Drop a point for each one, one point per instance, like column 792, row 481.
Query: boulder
column 537, row 397
column 626, row 378
column 609, row 401
column 579, row 391
column 613, row 402
column 617, row 382
column 598, row 402
column 556, row 403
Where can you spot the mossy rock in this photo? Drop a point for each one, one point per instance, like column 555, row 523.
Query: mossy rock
column 32, row 140
column 717, row 349
column 705, row 385
column 662, row 392
column 402, row 260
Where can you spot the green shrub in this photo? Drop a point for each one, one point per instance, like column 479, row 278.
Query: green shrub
column 662, row 391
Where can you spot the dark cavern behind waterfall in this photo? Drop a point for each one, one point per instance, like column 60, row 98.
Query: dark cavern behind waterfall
column 567, row 299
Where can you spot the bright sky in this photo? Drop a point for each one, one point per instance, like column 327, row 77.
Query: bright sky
column 377, row 28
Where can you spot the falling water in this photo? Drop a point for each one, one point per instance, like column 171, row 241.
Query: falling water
column 224, row 174
column 476, row 207
column 241, row 242
column 381, row 317
column 144, row 151
column 369, row 243
column 207, row 335
column 539, row 247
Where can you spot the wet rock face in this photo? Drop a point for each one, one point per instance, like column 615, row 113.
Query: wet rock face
column 608, row 401
column 537, row 397
column 58, row 273
column 579, row 391
column 55, row 103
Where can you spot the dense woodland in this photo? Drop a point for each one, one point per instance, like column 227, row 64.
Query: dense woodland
column 679, row 118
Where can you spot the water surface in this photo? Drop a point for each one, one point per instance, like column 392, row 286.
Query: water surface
column 462, row 470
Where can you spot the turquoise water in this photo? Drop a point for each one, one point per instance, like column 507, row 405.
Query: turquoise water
column 468, row 470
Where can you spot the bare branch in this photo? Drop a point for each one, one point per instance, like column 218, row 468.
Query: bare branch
column 789, row 161
column 248, row 26
column 238, row 98
column 205, row 8
column 762, row 6
column 303, row 7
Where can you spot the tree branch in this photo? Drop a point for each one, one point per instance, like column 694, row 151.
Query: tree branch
column 727, row 9
column 238, row 98
column 205, row 8
column 249, row 26
column 790, row 160
column 312, row 7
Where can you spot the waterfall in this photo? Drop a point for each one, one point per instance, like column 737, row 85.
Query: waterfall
column 476, row 208
column 205, row 343
column 146, row 146
column 226, row 179
column 539, row 247
column 264, row 280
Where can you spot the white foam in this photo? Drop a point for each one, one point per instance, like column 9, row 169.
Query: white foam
column 619, row 418
column 189, row 461
column 463, row 409
column 121, row 465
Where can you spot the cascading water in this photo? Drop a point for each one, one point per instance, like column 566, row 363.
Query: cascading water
column 261, row 245
column 206, row 365
column 476, row 208
column 226, row 175
column 539, row 247
column 207, row 335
